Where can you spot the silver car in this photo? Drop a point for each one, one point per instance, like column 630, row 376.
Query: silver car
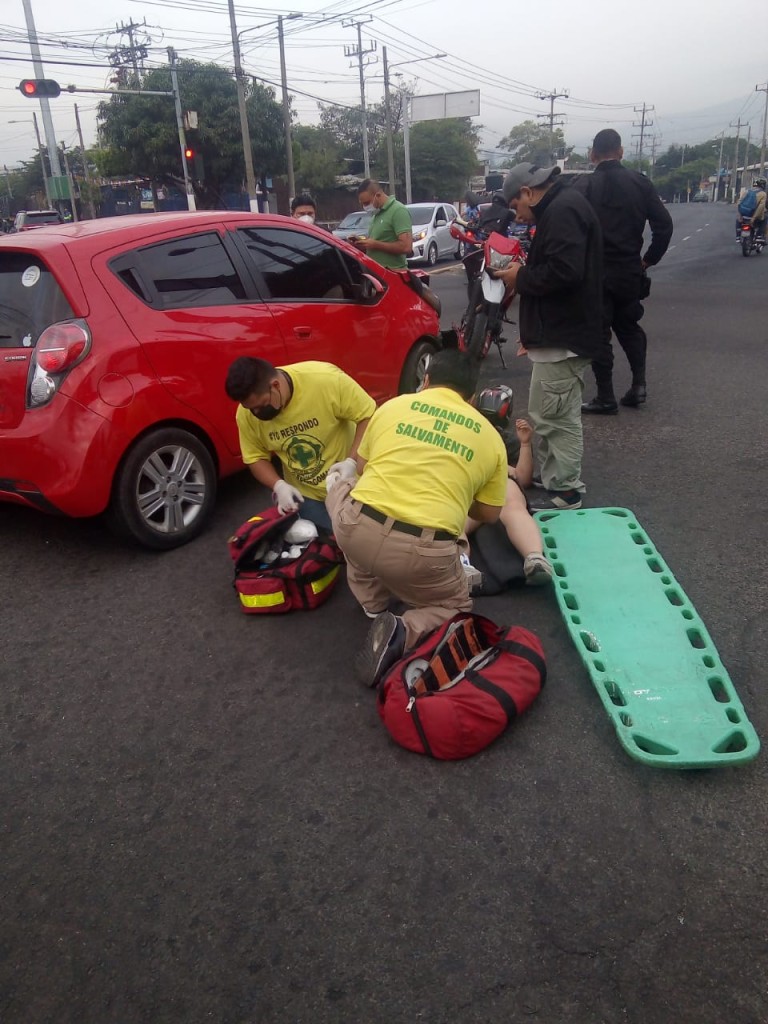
column 354, row 225
column 432, row 231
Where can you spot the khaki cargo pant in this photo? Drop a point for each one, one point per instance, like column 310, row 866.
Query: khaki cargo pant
column 554, row 406
column 384, row 563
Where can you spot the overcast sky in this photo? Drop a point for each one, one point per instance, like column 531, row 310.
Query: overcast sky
column 688, row 60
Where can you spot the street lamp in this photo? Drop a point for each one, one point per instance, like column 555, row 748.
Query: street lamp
column 406, row 126
column 284, row 83
column 42, row 158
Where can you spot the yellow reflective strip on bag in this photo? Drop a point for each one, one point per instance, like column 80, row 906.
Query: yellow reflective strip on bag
column 262, row 600
column 318, row 586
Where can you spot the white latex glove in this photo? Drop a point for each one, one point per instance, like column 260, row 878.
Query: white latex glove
column 347, row 469
column 286, row 498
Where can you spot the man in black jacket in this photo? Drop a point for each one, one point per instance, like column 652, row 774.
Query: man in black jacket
column 623, row 200
column 560, row 292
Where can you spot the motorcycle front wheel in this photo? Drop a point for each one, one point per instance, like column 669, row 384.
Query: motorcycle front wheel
column 480, row 339
column 475, row 299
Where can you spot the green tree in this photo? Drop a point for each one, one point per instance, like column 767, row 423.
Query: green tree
column 316, row 159
column 443, row 157
column 142, row 139
column 344, row 126
column 531, row 142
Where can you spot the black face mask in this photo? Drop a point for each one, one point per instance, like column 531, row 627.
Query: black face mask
column 267, row 412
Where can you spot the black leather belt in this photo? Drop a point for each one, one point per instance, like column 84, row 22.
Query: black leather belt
column 415, row 531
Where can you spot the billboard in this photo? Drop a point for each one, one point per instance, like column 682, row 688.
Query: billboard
column 445, row 104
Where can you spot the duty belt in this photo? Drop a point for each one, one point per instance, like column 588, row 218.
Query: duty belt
column 414, row 531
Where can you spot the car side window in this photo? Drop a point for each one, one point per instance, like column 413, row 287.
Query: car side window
column 440, row 215
column 296, row 266
column 183, row 272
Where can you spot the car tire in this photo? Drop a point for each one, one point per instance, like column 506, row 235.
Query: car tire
column 415, row 365
column 164, row 489
column 432, row 254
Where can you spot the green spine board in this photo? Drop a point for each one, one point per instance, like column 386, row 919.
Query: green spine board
column 647, row 651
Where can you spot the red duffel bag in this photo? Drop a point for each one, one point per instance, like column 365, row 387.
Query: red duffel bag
column 461, row 686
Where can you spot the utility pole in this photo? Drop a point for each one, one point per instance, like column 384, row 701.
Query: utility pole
column 86, row 172
column 552, row 96
column 407, row 145
column 720, row 174
column 68, row 173
column 286, row 112
column 45, row 106
column 42, row 163
column 359, row 52
column 135, row 53
column 763, row 88
column 388, row 121
column 654, row 144
column 746, row 154
column 738, row 126
column 250, row 177
column 644, row 123
column 180, row 126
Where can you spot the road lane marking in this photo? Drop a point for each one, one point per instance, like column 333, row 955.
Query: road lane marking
column 686, row 238
column 697, row 230
column 446, row 270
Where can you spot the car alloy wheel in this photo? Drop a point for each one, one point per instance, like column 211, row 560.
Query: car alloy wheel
column 165, row 489
column 432, row 255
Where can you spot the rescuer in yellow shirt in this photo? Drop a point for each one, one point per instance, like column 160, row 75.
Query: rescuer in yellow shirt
column 427, row 460
column 310, row 415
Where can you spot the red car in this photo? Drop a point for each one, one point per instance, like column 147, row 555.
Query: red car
column 116, row 336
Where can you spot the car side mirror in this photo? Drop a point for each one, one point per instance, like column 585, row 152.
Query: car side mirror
column 439, row 222
column 370, row 288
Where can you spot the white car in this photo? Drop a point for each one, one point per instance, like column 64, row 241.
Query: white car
column 431, row 231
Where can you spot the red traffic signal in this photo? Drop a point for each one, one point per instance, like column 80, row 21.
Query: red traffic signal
column 189, row 153
column 36, row 88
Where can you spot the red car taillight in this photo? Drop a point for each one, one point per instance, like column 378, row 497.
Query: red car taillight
column 59, row 348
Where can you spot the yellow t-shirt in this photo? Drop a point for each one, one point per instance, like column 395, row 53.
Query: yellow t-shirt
column 429, row 456
column 314, row 430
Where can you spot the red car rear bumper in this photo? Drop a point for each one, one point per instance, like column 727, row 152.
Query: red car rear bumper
column 60, row 459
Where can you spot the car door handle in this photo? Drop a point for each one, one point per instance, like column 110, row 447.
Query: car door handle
column 302, row 332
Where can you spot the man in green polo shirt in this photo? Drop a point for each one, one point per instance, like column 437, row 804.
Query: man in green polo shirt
column 390, row 238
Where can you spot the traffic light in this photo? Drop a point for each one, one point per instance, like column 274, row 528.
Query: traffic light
column 189, row 153
column 37, row 88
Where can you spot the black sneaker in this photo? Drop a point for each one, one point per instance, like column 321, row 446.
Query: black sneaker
column 635, row 396
column 384, row 645
column 556, row 501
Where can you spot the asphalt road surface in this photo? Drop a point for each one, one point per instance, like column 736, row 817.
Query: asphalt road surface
column 203, row 819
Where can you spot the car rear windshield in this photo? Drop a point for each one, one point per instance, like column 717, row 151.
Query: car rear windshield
column 41, row 218
column 30, row 300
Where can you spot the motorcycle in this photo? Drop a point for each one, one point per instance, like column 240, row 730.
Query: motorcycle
column 489, row 301
column 749, row 239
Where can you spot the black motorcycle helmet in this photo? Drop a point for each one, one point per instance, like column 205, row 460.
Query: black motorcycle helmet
column 496, row 405
column 759, row 183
